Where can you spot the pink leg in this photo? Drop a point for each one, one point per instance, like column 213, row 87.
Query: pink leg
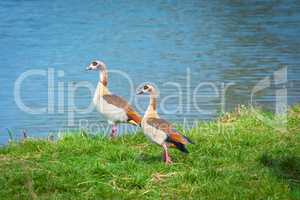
column 166, row 156
column 113, row 131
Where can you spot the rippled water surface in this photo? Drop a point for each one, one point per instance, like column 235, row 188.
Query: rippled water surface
column 175, row 44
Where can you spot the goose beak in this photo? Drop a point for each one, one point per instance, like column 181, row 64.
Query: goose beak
column 139, row 92
column 88, row 68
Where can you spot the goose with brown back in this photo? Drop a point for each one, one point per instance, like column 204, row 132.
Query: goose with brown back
column 159, row 130
column 114, row 108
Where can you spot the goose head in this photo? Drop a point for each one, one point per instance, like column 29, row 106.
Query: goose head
column 96, row 65
column 146, row 89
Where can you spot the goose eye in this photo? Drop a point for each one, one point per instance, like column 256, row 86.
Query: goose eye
column 145, row 87
column 94, row 63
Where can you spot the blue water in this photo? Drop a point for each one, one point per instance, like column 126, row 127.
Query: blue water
column 214, row 42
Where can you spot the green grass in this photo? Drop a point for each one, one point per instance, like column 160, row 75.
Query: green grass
column 235, row 157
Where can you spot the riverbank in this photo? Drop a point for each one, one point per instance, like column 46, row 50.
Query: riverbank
column 235, row 157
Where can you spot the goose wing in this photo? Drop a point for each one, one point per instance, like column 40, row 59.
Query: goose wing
column 133, row 116
column 173, row 135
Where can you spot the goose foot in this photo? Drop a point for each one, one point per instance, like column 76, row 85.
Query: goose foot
column 166, row 157
column 113, row 131
column 168, row 161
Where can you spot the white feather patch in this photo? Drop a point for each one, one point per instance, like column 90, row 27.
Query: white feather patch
column 155, row 135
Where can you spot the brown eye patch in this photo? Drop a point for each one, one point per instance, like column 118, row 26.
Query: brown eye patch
column 146, row 87
column 94, row 63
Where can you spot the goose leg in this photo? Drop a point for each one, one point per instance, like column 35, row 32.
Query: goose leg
column 113, row 131
column 167, row 158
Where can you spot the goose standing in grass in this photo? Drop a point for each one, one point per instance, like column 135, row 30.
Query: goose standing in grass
column 114, row 108
column 159, row 130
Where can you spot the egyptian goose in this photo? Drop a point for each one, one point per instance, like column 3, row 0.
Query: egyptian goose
column 159, row 130
column 114, row 108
